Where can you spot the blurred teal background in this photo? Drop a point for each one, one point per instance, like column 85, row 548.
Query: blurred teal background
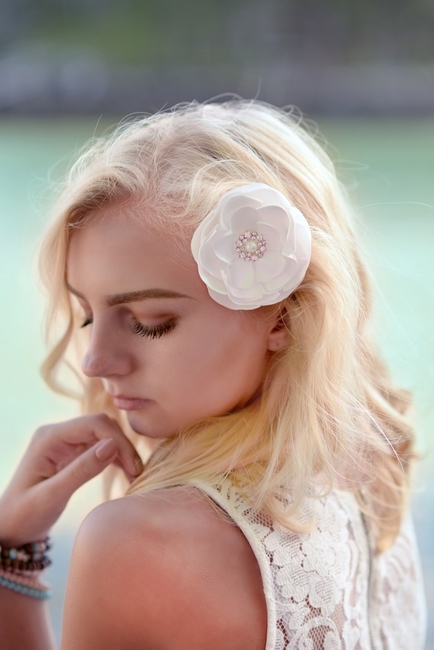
column 328, row 56
column 387, row 166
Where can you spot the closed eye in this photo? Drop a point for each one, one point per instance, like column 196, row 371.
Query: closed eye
column 154, row 332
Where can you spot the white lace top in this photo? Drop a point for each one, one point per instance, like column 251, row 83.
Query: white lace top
column 327, row 589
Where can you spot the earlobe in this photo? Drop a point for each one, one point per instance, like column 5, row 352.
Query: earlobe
column 280, row 335
column 278, row 340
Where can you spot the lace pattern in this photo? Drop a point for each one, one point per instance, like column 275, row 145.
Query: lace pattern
column 326, row 589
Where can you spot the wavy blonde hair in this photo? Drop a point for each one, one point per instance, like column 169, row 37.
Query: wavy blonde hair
column 328, row 414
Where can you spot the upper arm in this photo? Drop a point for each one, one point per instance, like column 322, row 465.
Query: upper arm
column 106, row 603
column 162, row 571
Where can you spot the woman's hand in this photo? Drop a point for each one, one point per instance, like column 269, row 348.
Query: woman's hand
column 59, row 459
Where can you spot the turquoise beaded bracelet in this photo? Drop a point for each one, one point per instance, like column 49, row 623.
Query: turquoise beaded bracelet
column 29, row 557
column 40, row 594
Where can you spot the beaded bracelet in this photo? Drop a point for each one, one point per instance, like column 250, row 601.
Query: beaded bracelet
column 18, row 566
column 20, row 588
column 28, row 557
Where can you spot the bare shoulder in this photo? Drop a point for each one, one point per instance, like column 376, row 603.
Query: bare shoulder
column 163, row 570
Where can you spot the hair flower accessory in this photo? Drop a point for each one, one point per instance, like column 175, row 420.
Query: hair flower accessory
column 253, row 249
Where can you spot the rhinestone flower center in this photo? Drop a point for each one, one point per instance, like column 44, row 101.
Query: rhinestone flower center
column 250, row 246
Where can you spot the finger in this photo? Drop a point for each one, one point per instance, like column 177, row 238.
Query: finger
column 128, row 457
column 42, row 505
column 103, row 426
column 88, row 429
column 130, row 477
column 91, row 463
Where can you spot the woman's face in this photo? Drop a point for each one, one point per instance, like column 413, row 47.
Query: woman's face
column 166, row 352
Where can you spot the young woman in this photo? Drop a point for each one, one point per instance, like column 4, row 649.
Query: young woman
column 205, row 262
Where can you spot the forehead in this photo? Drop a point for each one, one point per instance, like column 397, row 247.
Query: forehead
column 116, row 251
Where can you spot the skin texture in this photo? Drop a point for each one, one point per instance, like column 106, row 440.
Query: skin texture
column 211, row 362
column 185, row 578
column 166, row 570
column 59, row 459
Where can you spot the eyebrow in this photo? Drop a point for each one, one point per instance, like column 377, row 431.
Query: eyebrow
column 134, row 296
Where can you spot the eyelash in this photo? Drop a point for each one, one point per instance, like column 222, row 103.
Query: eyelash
column 154, row 332
column 87, row 322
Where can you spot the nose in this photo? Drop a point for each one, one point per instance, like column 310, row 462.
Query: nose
column 107, row 354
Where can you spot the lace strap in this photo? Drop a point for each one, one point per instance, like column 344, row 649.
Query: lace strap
column 238, row 511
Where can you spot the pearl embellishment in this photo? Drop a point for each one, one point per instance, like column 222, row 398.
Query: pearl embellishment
column 250, row 246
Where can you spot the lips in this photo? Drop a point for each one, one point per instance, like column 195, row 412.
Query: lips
column 125, row 403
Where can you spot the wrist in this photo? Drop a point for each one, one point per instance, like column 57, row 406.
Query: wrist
column 30, row 556
column 18, row 532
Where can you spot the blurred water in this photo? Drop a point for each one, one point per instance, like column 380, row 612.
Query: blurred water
column 389, row 167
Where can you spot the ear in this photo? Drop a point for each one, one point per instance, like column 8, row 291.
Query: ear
column 279, row 336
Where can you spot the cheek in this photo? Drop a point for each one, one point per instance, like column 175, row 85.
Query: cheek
column 225, row 357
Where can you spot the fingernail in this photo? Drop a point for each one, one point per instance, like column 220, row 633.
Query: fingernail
column 106, row 449
column 137, row 466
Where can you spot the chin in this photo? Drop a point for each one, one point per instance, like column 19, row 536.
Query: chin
column 145, row 428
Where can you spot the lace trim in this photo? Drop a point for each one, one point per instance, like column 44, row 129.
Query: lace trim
column 237, row 509
column 326, row 590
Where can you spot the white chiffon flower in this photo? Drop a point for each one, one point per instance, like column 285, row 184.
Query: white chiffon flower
column 253, row 249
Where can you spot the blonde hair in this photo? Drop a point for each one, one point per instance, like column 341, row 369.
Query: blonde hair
column 328, row 414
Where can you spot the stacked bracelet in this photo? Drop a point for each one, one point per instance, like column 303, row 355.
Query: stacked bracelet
column 28, row 586
column 28, row 557
column 19, row 566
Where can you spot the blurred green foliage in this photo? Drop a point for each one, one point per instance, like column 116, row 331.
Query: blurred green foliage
column 213, row 31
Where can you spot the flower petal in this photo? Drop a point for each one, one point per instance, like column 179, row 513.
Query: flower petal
column 251, row 295
column 270, row 299
column 208, row 259
column 295, row 276
column 202, row 232
column 244, row 219
column 232, row 281
column 288, row 247
column 243, row 298
column 231, row 302
column 275, row 216
column 287, row 280
column 224, row 247
column 269, row 266
column 241, row 274
column 304, row 242
column 231, row 205
column 271, row 235
column 211, row 277
column 224, row 299
column 215, row 284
